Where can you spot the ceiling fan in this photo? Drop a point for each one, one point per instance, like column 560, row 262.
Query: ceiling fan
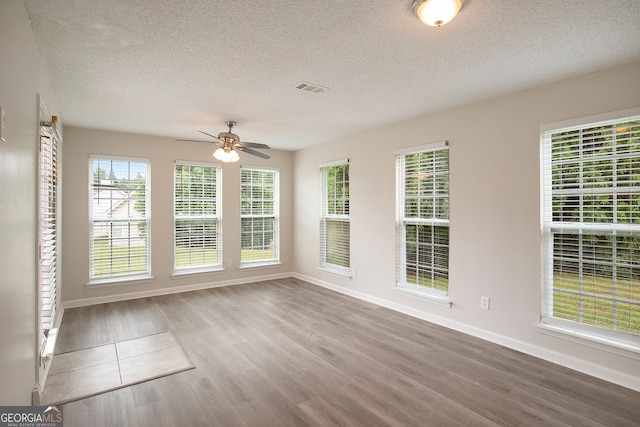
column 230, row 142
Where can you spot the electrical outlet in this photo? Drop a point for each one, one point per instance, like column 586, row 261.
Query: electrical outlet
column 229, row 263
column 484, row 303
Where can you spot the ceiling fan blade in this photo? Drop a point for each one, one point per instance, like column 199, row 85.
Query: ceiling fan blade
column 253, row 145
column 212, row 136
column 195, row 140
column 253, row 152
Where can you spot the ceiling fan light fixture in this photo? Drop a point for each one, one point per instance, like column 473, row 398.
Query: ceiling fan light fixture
column 226, row 155
column 436, row 12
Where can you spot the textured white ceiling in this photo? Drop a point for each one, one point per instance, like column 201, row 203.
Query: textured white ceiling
column 171, row 68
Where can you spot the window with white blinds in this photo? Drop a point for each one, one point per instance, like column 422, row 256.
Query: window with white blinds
column 119, row 219
column 259, row 217
column 334, row 220
column 48, row 236
column 197, row 216
column 423, row 219
column 591, row 225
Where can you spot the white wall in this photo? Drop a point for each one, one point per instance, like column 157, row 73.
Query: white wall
column 495, row 237
column 22, row 77
column 80, row 143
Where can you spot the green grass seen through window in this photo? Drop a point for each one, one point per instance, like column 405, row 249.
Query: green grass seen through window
column 440, row 283
column 112, row 260
column 592, row 304
column 119, row 261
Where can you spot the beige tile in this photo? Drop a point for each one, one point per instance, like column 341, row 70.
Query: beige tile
column 148, row 344
column 65, row 362
column 83, row 373
column 152, row 365
column 83, row 382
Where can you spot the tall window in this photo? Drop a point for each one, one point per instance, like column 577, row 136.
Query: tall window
column 591, row 224
column 259, row 216
column 119, row 219
column 197, row 215
column 423, row 219
column 48, row 233
column 334, row 221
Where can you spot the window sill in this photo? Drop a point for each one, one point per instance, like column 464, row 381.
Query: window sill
column 600, row 342
column 441, row 300
column 120, row 281
column 195, row 272
column 268, row 264
column 344, row 273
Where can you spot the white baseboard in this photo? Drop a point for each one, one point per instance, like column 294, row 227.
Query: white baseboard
column 595, row 370
column 171, row 290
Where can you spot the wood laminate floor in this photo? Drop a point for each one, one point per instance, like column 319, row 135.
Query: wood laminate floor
column 288, row 353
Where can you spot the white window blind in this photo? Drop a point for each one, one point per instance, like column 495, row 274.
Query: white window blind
column 423, row 219
column 259, row 216
column 48, row 236
column 197, row 217
column 119, row 219
column 591, row 224
column 334, row 221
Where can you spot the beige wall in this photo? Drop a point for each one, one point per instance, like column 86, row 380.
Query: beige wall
column 495, row 213
column 22, row 77
column 80, row 143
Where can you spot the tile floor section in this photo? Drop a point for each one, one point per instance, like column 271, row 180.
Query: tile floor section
column 82, row 373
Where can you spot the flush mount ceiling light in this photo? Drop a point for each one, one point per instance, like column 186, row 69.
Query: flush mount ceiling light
column 436, row 12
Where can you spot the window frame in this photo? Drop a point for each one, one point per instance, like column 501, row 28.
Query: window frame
column 585, row 333
column 431, row 294
column 325, row 216
column 215, row 219
column 275, row 259
column 146, row 220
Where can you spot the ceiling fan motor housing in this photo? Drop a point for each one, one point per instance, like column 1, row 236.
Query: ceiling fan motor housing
column 228, row 137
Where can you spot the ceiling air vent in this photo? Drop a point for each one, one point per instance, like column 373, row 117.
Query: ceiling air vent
column 310, row 87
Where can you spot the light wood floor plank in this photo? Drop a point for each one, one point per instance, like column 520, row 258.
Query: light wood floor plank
column 287, row 353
